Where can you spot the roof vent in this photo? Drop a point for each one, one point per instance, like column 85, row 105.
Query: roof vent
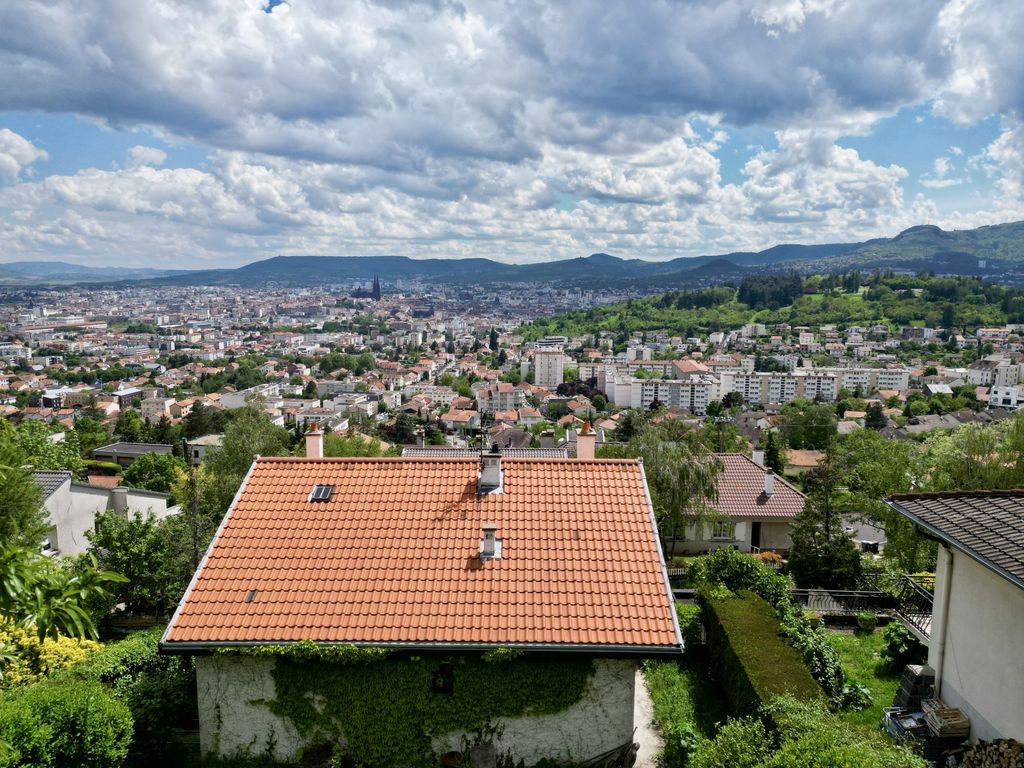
column 490, row 545
column 321, row 493
column 490, row 478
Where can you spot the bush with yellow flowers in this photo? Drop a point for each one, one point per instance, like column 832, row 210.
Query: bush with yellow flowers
column 25, row 659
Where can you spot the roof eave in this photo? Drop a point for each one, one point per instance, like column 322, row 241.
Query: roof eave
column 611, row 649
column 939, row 535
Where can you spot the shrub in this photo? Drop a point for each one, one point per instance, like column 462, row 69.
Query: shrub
column 867, row 620
column 32, row 659
column 753, row 665
column 901, row 648
column 159, row 690
column 739, row 744
column 736, row 570
column 67, row 724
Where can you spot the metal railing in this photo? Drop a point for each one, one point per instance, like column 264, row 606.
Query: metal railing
column 841, row 602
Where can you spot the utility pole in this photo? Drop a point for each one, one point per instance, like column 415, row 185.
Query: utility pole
column 193, row 502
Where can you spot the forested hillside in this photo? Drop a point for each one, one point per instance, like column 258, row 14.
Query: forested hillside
column 847, row 299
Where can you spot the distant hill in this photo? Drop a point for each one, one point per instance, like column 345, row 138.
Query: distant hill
column 996, row 252
column 24, row 272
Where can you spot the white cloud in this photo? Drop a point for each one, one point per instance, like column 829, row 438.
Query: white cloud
column 140, row 156
column 16, row 154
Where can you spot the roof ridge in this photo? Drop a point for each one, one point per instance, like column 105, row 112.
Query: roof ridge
column 405, row 459
column 1008, row 493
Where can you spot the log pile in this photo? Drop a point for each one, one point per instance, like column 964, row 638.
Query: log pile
column 1001, row 753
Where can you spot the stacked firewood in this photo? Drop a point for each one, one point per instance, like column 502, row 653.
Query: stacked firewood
column 1001, row 753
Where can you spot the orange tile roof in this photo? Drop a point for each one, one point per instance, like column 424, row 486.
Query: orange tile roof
column 393, row 558
column 741, row 492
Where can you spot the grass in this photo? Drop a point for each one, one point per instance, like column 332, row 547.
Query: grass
column 685, row 694
column 860, row 654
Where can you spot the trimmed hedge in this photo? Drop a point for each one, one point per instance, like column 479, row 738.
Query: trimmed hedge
column 49, row 725
column 752, row 663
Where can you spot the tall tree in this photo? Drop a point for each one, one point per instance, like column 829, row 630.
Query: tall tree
column 249, row 434
column 493, row 340
column 683, row 479
column 774, row 453
column 155, row 472
column 822, row 555
column 875, row 417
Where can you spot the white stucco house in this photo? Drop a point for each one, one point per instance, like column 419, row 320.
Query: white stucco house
column 72, row 508
column 755, row 507
column 977, row 627
column 438, row 561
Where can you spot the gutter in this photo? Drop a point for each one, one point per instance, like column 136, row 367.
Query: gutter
column 661, row 558
column 210, row 646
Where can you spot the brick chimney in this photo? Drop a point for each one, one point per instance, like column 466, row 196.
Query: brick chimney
column 314, row 442
column 586, row 442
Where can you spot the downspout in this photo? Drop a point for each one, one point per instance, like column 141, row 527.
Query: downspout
column 940, row 647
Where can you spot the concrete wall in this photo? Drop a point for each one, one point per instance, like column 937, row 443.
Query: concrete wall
column 73, row 507
column 981, row 667
column 773, row 536
column 230, row 722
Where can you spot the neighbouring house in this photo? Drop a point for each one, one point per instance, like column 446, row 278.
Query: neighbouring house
column 125, row 454
column 440, row 561
column 974, row 643
column 72, row 508
column 756, row 509
column 199, row 447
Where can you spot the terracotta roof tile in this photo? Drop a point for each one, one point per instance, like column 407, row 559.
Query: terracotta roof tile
column 393, row 557
column 741, row 492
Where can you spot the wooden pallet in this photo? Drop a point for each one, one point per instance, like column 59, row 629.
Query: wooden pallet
column 945, row 721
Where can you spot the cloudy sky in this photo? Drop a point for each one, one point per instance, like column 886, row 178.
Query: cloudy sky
column 194, row 133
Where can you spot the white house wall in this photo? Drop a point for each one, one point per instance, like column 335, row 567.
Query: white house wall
column 982, row 669
column 231, row 722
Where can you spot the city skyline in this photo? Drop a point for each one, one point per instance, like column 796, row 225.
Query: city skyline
column 216, row 134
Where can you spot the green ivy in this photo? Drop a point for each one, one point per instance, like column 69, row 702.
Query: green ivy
column 387, row 709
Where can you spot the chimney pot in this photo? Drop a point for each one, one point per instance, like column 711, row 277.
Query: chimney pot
column 769, row 483
column 490, row 545
column 586, row 443
column 314, row 442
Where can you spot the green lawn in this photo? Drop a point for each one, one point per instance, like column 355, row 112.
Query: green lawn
column 684, row 693
column 861, row 660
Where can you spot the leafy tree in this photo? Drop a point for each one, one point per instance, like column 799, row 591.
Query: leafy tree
column 822, row 555
column 872, row 469
column 631, row 425
column 352, row 444
column 808, row 425
column 154, row 555
column 310, row 390
column 91, row 434
column 732, row 400
column 163, row 431
column 22, row 520
column 683, row 480
column 599, row 402
column 155, row 472
column 403, row 431
column 33, row 439
column 203, row 420
column 129, row 426
column 250, row 433
column 875, row 418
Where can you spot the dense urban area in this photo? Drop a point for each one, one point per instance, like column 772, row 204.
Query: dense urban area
column 773, row 419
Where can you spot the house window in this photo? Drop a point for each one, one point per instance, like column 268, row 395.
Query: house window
column 723, row 531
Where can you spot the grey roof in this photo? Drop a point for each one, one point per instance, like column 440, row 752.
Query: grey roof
column 133, row 449
column 987, row 526
column 49, row 481
column 440, row 452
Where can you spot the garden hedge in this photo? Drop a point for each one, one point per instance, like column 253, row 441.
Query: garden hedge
column 753, row 664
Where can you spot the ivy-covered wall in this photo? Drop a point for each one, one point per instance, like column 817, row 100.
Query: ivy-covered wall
column 403, row 711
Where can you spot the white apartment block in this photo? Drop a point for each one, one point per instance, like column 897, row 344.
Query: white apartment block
column 11, row 353
column 1006, row 397
column 548, row 368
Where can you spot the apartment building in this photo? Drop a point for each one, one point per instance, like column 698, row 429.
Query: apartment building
column 548, row 368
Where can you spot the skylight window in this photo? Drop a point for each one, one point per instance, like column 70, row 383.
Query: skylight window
column 321, row 493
